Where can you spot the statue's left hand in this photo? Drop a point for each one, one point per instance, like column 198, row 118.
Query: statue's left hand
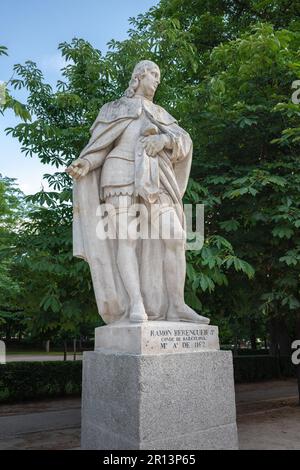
column 153, row 144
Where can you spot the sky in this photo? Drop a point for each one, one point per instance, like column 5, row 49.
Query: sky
column 32, row 30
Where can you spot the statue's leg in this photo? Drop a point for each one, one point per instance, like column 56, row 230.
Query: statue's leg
column 175, row 269
column 127, row 262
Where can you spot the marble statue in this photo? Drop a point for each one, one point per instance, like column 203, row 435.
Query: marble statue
column 137, row 154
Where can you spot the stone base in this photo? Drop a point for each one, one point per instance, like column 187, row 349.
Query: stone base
column 182, row 401
column 154, row 337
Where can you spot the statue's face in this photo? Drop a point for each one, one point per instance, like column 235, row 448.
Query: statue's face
column 149, row 81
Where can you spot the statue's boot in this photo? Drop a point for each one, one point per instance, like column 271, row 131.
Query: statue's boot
column 137, row 313
column 185, row 313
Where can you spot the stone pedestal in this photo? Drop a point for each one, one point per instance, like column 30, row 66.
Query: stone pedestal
column 158, row 385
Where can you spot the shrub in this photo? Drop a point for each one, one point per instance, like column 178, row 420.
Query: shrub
column 256, row 368
column 31, row 380
column 21, row 381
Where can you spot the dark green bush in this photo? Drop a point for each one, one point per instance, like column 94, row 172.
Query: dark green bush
column 31, row 380
column 256, row 368
column 34, row 380
column 252, row 352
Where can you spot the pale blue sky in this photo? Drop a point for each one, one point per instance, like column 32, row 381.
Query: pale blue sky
column 32, row 29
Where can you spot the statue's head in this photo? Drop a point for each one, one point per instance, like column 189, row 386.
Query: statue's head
column 145, row 79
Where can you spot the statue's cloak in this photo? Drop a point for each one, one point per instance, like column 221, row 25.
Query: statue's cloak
column 174, row 168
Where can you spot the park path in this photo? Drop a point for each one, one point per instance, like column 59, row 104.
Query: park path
column 267, row 416
column 51, row 424
column 39, row 357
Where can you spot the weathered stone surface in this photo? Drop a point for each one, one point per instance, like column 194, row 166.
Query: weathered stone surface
column 156, row 337
column 162, row 401
column 129, row 222
column 218, row 438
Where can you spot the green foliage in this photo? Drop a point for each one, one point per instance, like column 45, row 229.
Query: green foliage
column 57, row 136
column 39, row 280
column 227, row 70
column 21, row 381
column 7, row 101
column 258, row 180
column 208, row 267
column 259, row 368
column 12, row 212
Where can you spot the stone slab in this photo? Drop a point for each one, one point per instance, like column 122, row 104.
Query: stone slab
column 157, row 337
column 158, row 401
column 218, row 438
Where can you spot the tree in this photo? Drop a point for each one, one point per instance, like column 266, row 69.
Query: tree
column 57, row 135
column 7, row 101
column 224, row 83
column 12, row 210
column 258, row 177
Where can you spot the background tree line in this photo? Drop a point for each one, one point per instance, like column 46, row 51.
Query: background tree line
column 227, row 70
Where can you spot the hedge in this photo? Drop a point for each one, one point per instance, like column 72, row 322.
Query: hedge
column 34, row 380
column 252, row 352
column 31, row 380
column 258, row 368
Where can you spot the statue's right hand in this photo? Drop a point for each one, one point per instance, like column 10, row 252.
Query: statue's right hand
column 78, row 168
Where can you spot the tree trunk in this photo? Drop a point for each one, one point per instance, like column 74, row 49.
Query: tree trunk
column 279, row 337
column 253, row 335
column 65, row 350
column 47, row 346
column 274, row 344
column 253, row 342
column 284, row 338
column 273, row 336
column 74, row 349
column 298, row 366
column 8, row 332
column 235, row 348
column 265, row 343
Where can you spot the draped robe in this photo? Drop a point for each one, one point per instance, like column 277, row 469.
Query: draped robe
column 101, row 254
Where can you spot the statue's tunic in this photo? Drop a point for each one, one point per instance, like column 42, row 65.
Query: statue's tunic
column 119, row 167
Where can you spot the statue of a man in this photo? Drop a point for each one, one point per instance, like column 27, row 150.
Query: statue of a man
column 137, row 154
